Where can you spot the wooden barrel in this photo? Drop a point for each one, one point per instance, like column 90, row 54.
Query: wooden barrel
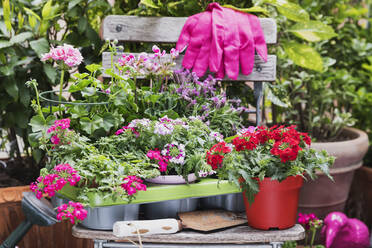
column 11, row 215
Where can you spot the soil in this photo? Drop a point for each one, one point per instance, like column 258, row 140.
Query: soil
column 18, row 172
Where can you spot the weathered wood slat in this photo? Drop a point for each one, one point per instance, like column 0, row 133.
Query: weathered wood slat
column 236, row 235
column 261, row 72
column 160, row 29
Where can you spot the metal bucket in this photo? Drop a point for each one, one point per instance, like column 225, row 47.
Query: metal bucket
column 103, row 218
column 231, row 202
column 169, row 209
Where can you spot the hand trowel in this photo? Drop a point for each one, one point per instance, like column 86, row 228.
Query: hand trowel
column 204, row 220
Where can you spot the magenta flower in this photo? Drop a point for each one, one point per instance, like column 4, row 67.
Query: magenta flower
column 66, row 53
column 53, row 182
column 132, row 184
column 306, row 219
column 73, row 211
column 55, row 140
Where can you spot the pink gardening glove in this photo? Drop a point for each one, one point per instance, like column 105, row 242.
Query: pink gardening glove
column 243, row 35
column 196, row 34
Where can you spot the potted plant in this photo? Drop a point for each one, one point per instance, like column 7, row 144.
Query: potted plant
column 269, row 164
column 328, row 101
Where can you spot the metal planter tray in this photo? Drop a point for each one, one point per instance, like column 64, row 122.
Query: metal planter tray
column 157, row 193
column 103, row 218
column 230, row 202
column 169, row 209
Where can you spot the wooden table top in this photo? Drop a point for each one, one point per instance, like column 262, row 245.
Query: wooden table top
column 235, row 235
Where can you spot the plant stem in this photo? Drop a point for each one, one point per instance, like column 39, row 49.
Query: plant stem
column 40, row 112
column 60, row 91
column 312, row 238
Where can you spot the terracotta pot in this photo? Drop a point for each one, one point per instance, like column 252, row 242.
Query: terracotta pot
column 275, row 205
column 359, row 204
column 11, row 215
column 322, row 195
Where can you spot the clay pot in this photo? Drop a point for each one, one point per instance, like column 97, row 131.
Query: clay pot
column 359, row 204
column 275, row 205
column 322, row 195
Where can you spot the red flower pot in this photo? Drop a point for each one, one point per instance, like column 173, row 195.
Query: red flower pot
column 275, row 205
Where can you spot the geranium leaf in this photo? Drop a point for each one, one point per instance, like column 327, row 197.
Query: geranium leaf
column 312, row 31
column 304, row 55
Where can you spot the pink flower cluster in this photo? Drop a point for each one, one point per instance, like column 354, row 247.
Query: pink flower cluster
column 132, row 184
column 121, row 130
column 53, row 182
column 146, row 64
column 66, row 53
column 60, row 125
column 162, row 160
column 306, row 219
column 60, row 129
column 73, row 211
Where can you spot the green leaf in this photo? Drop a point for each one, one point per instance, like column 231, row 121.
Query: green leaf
column 109, row 121
column 37, row 154
column 88, row 91
column 33, row 138
column 90, row 125
column 19, row 38
column 273, row 98
column 93, row 67
column 40, row 46
column 21, row 20
column 254, row 9
column 149, row 3
column 7, row 15
column 290, row 10
column 32, row 13
column 312, row 31
column 73, row 3
column 12, row 89
column 32, row 21
column 82, row 25
column 46, row 12
column 80, row 86
column 171, row 114
column 5, row 43
column 304, row 56
column 50, row 72
column 37, row 123
column 81, row 75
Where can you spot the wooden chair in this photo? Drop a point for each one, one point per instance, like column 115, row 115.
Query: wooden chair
column 167, row 29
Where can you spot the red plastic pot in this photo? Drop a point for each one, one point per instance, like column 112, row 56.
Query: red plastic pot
column 275, row 205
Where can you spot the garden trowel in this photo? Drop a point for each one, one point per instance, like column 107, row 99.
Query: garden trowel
column 205, row 220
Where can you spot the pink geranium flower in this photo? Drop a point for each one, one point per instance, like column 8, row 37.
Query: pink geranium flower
column 66, row 53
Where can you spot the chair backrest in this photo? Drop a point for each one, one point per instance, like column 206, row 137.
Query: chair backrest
column 167, row 30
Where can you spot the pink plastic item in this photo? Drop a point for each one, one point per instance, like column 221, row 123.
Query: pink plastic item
column 341, row 232
column 223, row 40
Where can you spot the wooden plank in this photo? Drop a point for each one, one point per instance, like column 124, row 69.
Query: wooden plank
column 261, row 72
column 236, row 235
column 161, row 29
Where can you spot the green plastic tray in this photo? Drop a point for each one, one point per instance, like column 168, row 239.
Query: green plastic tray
column 156, row 193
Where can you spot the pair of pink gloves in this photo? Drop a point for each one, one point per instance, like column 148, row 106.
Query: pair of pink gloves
column 221, row 39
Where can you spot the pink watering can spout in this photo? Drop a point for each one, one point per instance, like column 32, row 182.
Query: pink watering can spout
column 341, row 232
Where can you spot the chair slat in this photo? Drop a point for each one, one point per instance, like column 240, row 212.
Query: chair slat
column 160, row 29
column 261, row 72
